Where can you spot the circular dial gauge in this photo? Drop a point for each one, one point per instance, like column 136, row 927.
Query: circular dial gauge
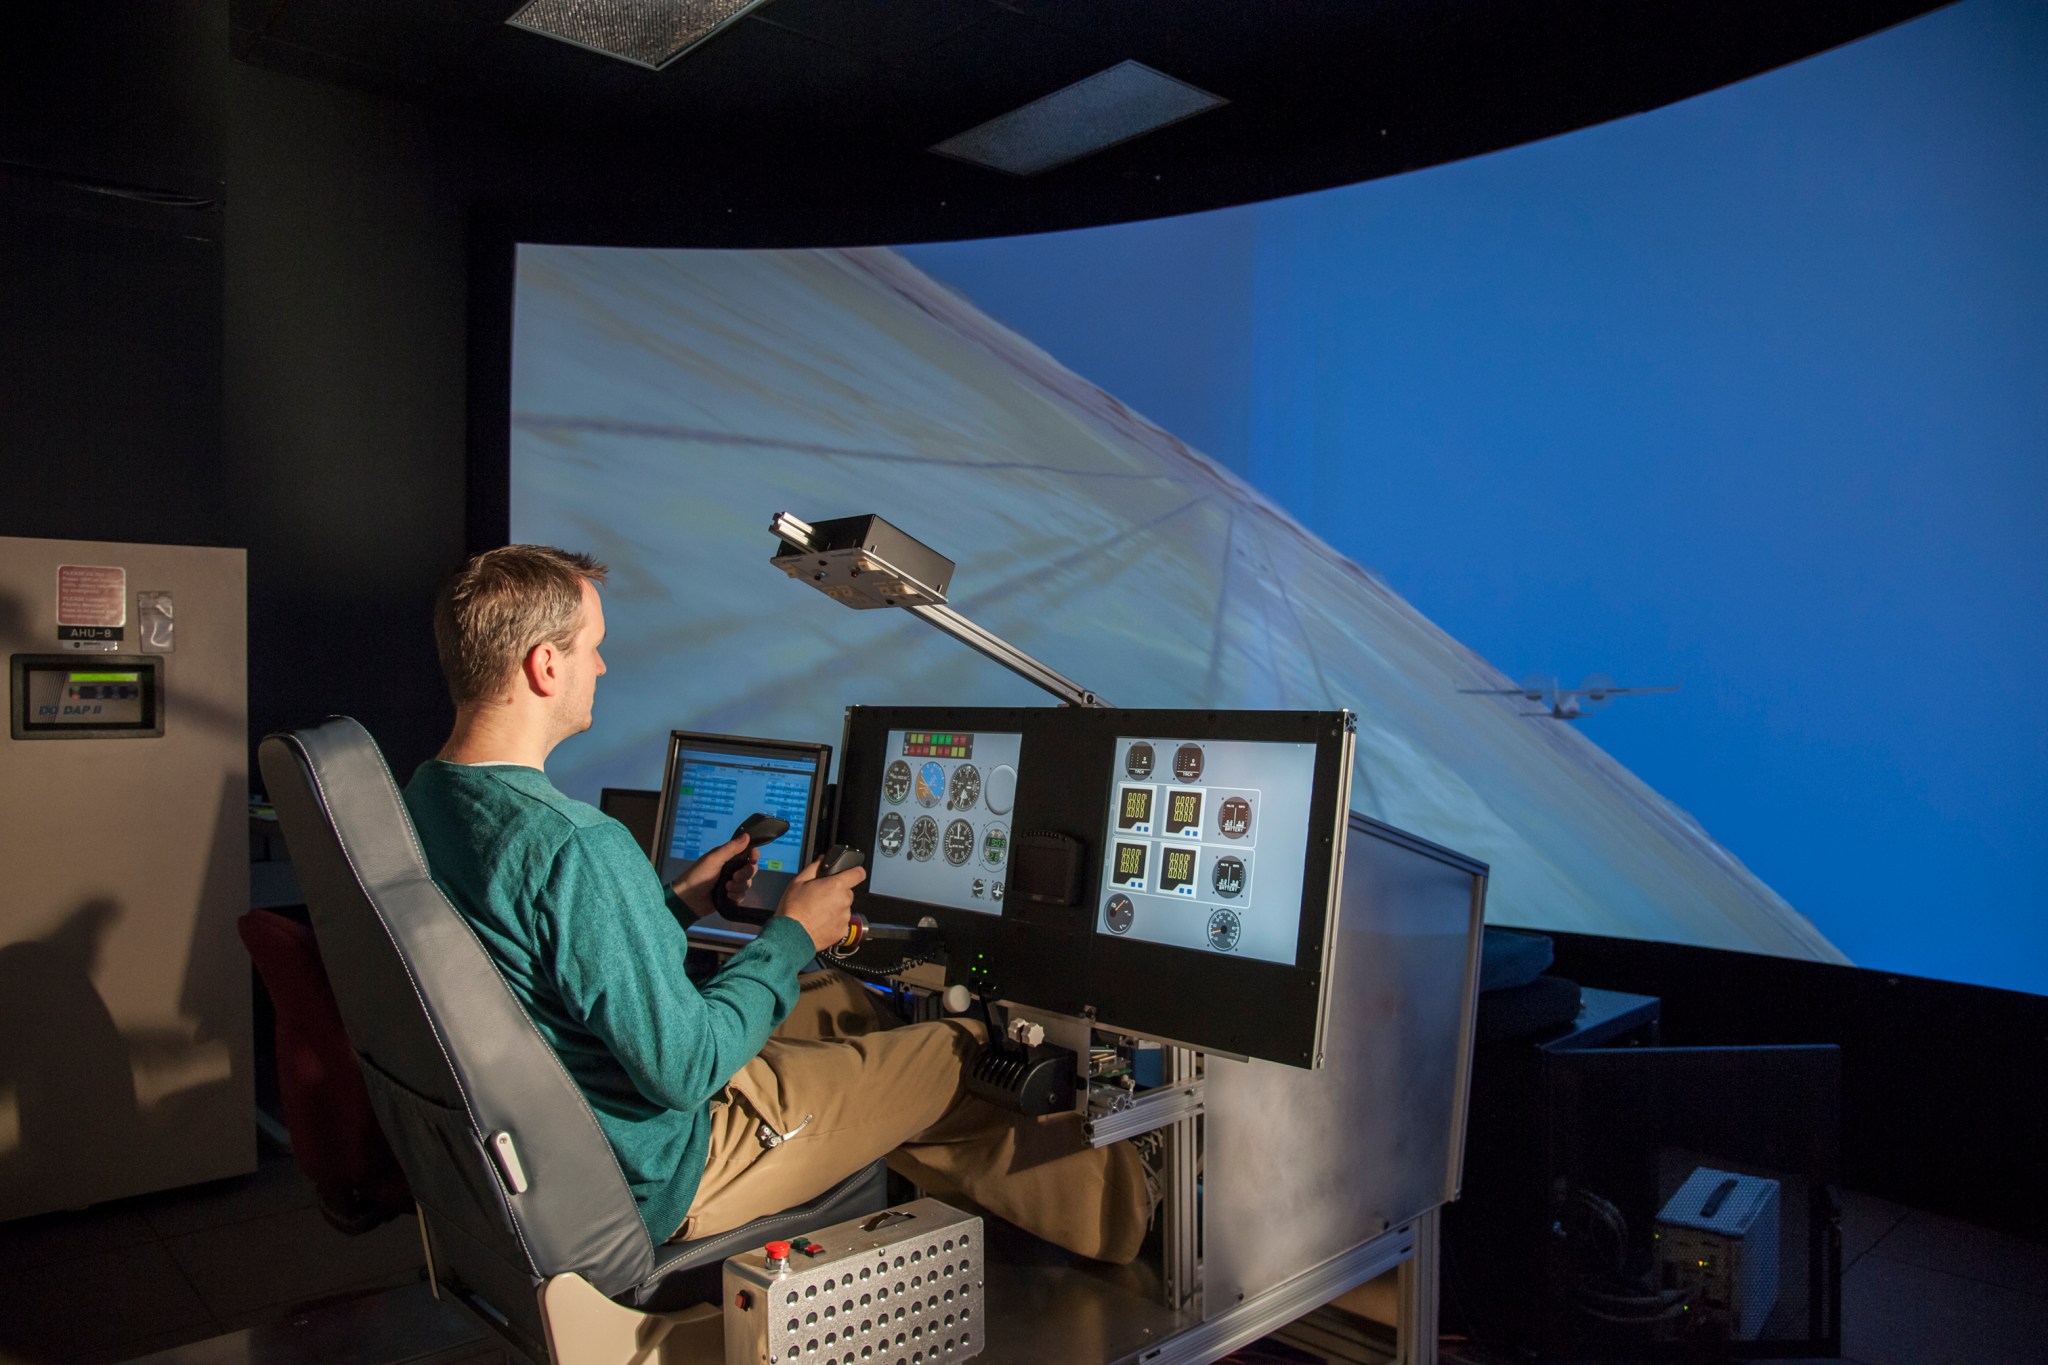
column 966, row 787
column 1001, row 789
column 959, row 842
column 1228, row 878
column 931, row 785
column 891, row 835
column 896, row 782
column 924, row 838
column 1234, row 817
column 1223, row 929
column 1187, row 762
column 1119, row 913
column 995, row 844
column 1138, row 762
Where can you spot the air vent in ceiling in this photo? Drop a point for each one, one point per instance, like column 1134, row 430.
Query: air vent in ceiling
column 1127, row 100
column 649, row 33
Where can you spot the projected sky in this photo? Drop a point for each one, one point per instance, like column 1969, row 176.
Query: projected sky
column 1744, row 394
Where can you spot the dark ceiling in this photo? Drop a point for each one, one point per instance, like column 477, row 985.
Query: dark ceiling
column 809, row 120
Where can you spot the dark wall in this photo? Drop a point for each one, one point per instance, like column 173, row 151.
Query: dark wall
column 345, row 303
column 110, row 271
column 1943, row 1102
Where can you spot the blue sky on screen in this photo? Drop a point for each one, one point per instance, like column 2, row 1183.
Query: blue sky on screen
column 1745, row 394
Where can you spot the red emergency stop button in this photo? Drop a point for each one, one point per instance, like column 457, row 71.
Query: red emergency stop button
column 777, row 1251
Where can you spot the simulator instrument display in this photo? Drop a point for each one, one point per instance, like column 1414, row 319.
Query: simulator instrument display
column 943, row 836
column 1210, row 855
column 714, row 784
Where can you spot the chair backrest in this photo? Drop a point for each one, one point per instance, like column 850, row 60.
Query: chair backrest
column 471, row 1096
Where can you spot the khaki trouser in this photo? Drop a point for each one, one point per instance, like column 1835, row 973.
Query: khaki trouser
column 871, row 1091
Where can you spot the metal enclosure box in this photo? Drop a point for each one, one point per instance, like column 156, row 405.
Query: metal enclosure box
column 904, row 1285
column 124, row 993
column 1727, row 1258
column 1303, row 1165
column 865, row 562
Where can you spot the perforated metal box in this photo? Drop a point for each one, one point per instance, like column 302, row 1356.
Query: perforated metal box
column 900, row 1287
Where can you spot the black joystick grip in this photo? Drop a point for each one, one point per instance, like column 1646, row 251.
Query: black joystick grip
column 840, row 858
column 759, row 828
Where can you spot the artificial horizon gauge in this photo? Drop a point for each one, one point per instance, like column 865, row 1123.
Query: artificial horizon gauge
column 890, row 837
column 931, row 785
column 924, row 838
column 1187, row 763
column 896, row 782
column 1228, row 877
column 1223, row 930
column 1138, row 762
column 1120, row 914
column 959, row 842
column 966, row 787
column 1234, row 817
column 995, row 845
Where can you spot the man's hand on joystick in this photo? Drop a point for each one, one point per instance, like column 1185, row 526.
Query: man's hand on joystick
column 821, row 901
column 721, row 878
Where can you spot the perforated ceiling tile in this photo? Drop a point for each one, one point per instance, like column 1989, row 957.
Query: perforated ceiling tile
column 1127, row 100
column 649, row 33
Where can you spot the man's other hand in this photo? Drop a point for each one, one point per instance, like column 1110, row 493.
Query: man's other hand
column 693, row 888
column 822, row 905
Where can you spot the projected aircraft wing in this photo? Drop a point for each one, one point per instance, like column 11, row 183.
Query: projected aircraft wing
column 665, row 404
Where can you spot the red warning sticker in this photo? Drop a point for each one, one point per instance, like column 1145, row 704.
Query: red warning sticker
column 91, row 595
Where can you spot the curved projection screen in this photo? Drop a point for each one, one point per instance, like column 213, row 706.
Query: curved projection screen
column 667, row 403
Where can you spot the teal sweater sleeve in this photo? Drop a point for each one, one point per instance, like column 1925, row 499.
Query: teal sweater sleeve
column 613, row 942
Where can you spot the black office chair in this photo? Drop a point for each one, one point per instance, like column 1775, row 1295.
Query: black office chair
column 525, row 1214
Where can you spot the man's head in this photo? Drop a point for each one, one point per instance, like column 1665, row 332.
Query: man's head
column 521, row 626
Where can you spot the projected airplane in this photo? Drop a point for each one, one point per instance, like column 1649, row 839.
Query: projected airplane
column 1565, row 703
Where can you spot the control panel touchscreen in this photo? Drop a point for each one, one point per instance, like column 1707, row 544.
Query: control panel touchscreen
column 1206, row 844
column 943, row 835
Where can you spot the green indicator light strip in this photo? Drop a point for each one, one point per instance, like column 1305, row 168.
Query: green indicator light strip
column 105, row 677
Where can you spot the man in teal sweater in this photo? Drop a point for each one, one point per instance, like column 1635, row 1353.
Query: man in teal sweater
column 713, row 1120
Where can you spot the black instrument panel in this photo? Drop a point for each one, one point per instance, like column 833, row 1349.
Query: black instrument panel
column 1168, row 872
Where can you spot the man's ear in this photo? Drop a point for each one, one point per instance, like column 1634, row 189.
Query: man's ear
column 542, row 670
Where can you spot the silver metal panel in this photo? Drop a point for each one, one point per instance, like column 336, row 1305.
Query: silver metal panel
column 1300, row 1162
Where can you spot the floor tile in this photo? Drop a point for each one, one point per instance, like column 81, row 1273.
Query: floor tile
column 1865, row 1220
column 290, row 1257
column 275, row 1187
column 1899, row 1314
column 55, row 1237
column 96, row 1303
column 1938, row 1243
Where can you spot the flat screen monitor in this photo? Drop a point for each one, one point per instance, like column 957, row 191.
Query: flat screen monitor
column 942, row 834
column 714, row 782
column 1206, row 844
